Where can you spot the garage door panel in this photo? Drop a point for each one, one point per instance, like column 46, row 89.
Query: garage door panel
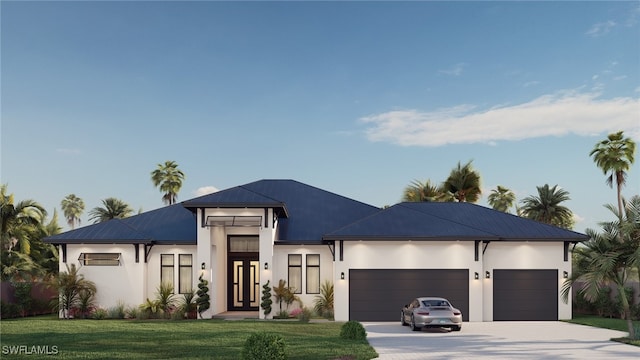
column 525, row 295
column 380, row 294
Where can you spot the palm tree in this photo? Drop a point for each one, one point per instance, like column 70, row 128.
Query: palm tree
column 72, row 207
column 71, row 285
column 113, row 209
column 169, row 179
column 614, row 156
column 546, row 207
column 422, row 192
column 19, row 222
column 501, row 198
column 608, row 258
column 464, row 183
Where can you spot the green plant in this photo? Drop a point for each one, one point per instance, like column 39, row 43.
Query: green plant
column 353, row 330
column 189, row 307
column 264, row 346
column 266, row 299
column 150, row 309
column 305, row 315
column 85, row 304
column 165, row 298
column 323, row 303
column 132, row 312
column 286, row 294
column 282, row 314
column 69, row 285
column 23, row 296
column 117, row 312
column 203, row 296
column 99, row 314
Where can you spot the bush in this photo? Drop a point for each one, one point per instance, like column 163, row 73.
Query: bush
column 282, row 314
column 353, row 330
column 117, row 312
column 99, row 314
column 305, row 315
column 8, row 310
column 264, row 346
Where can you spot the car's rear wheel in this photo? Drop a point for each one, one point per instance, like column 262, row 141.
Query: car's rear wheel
column 404, row 323
column 413, row 325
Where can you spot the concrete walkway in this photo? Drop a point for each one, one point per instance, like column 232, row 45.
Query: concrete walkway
column 499, row 340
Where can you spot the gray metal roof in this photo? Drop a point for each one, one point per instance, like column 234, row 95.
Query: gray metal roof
column 450, row 220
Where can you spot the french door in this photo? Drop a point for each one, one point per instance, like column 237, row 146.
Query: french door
column 243, row 275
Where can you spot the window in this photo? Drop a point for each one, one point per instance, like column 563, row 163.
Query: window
column 313, row 273
column 99, row 259
column 244, row 244
column 185, row 273
column 166, row 269
column 295, row 273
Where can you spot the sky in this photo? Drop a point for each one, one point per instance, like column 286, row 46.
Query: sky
column 357, row 98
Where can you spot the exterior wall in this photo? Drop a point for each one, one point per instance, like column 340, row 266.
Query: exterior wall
column 126, row 283
column 406, row 255
column 281, row 271
column 212, row 251
column 153, row 268
column 524, row 255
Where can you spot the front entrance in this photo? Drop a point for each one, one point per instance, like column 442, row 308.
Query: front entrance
column 243, row 274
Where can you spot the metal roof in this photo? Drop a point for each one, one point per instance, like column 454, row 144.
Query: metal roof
column 308, row 215
column 450, row 220
column 170, row 225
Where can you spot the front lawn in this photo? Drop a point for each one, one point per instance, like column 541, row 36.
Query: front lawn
column 166, row 339
column 607, row 323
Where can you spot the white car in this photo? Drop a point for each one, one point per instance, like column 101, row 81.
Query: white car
column 431, row 312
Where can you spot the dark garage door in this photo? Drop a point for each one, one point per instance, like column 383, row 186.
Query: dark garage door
column 379, row 295
column 525, row 295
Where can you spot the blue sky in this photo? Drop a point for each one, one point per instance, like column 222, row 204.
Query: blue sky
column 358, row 98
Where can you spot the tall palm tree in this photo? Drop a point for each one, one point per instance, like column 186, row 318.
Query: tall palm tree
column 608, row 259
column 614, row 156
column 464, row 183
column 546, row 207
column 168, row 178
column 112, row 209
column 501, row 198
column 422, row 192
column 72, row 207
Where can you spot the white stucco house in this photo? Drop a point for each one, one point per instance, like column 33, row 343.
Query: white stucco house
column 492, row 265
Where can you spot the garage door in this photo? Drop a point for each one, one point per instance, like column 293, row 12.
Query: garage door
column 525, row 295
column 380, row 294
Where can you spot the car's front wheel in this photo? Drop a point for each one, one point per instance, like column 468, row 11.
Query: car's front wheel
column 404, row 323
column 456, row 328
column 413, row 325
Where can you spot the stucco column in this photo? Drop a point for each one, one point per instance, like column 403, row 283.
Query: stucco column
column 267, row 239
column 203, row 258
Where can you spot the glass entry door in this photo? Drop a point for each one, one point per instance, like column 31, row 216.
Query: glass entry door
column 243, row 274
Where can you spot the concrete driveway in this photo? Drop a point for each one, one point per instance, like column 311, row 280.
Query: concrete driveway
column 506, row 340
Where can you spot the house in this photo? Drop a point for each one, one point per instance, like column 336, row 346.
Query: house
column 491, row 265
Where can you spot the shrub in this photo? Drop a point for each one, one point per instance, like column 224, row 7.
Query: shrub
column 353, row 330
column 305, row 315
column 203, row 300
column 117, row 312
column 99, row 314
column 264, row 346
column 8, row 310
column 323, row 303
column 132, row 312
column 266, row 299
column 295, row 312
column 282, row 314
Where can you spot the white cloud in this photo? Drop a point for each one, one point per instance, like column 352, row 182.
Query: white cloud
column 531, row 83
column 455, row 70
column 601, row 28
column 562, row 113
column 205, row 190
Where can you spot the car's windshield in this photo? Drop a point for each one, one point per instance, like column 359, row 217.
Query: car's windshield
column 435, row 303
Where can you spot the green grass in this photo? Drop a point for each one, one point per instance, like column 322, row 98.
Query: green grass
column 165, row 339
column 607, row 323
